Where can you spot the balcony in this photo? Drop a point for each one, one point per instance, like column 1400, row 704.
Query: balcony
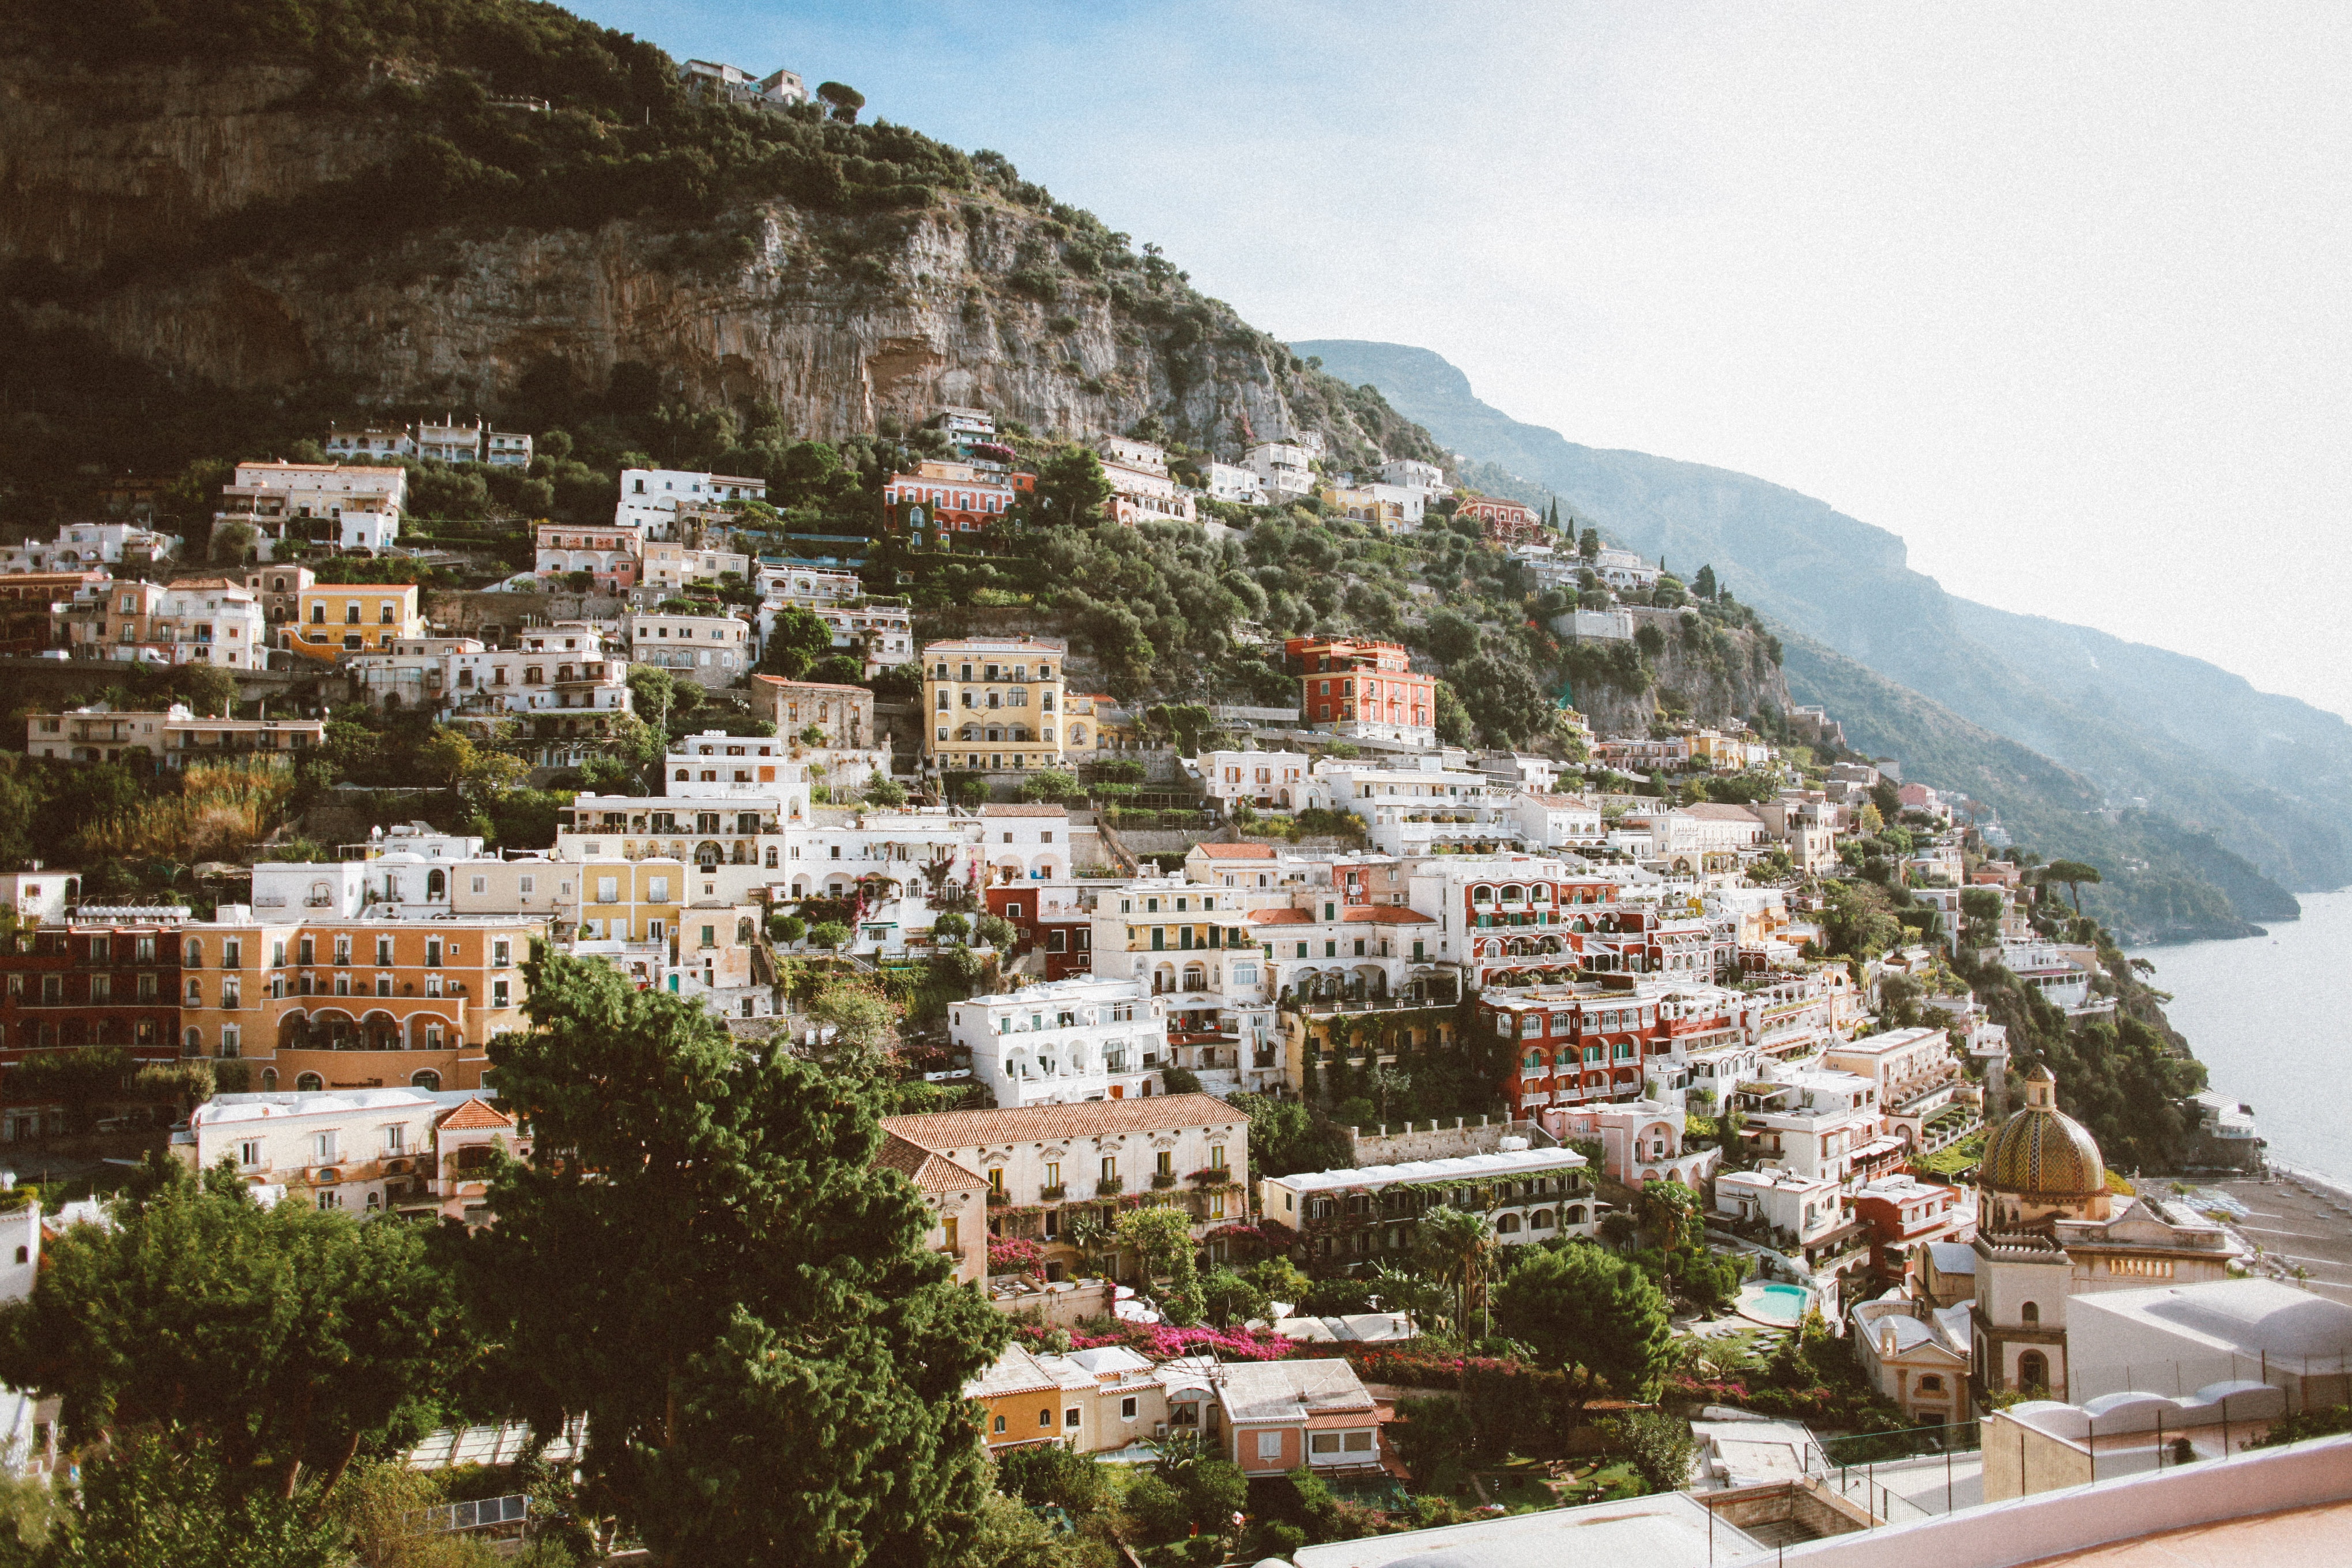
column 1110, row 1187
column 1163, row 1180
column 1054, row 1193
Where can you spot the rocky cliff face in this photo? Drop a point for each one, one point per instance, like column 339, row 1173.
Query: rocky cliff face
column 842, row 321
column 1711, row 675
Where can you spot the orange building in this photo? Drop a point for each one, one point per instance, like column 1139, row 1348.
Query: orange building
column 1368, row 689
column 354, row 1004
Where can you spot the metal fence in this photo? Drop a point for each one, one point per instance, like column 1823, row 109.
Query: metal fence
column 1916, row 1473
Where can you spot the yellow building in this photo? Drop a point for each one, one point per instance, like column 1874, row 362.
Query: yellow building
column 994, row 704
column 335, row 621
column 626, row 900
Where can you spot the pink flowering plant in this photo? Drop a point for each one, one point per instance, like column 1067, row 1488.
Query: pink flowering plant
column 1163, row 1342
column 1013, row 1255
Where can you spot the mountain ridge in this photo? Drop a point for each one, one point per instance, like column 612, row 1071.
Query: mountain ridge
column 2283, row 808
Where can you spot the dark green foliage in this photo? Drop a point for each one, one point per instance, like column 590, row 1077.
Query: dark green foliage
column 799, row 639
column 1228, row 1298
column 148, row 1503
column 1285, row 1137
column 1337, row 1297
column 2308, row 1424
column 1433, row 1438
column 280, row 1341
column 1584, row 1308
column 702, row 1258
column 84, row 1082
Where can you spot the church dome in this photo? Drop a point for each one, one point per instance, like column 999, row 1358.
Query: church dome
column 2042, row 1152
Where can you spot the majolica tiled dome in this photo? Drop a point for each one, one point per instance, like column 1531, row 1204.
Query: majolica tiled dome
column 2042, row 1152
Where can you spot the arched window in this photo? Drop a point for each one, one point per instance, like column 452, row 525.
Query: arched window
column 308, row 1083
column 1507, row 1226
column 269, row 1080
column 436, row 885
column 1482, row 895
column 193, row 1043
column 424, row 1078
column 2033, row 1370
column 2029, row 1313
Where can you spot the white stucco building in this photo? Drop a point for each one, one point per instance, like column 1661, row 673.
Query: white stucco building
column 1063, row 1041
column 650, row 497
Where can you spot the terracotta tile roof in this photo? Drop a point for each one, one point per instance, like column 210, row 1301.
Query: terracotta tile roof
column 1709, row 812
column 1561, row 802
column 1358, row 914
column 812, row 685
column 933, row 1174
column 1025, row 811
column 1236, row 851
column 475, row 1113
column 1038, row 1123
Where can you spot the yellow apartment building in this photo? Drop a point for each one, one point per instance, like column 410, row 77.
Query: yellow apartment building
column 334, row 621
column 994, row 704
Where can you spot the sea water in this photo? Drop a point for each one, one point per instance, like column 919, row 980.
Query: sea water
column 2271, row 1017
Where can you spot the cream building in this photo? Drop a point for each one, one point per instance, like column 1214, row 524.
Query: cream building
column 1046, row 1164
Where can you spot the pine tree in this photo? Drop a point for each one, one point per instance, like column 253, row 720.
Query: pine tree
column 702, row 1258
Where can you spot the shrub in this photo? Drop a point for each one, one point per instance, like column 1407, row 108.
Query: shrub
column 1657, row 1445
column 1158, row 1508
column 1048, row 1475
column 1432, row 1434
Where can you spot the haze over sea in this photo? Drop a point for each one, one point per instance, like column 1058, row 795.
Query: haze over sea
column 2271, row 1017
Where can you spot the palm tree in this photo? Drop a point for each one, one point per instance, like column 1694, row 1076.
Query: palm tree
column 1457, row 1246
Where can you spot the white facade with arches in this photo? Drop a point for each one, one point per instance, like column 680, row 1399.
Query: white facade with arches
column 1063, row 1041
column 1026, row 843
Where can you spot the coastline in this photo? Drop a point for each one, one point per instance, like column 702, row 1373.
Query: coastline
column 2268, row 1022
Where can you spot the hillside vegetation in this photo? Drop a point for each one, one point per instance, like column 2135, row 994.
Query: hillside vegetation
column 224, row 227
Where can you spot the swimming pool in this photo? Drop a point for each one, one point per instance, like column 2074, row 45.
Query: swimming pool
column 1783, row 1305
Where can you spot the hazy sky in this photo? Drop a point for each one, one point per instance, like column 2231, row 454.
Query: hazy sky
column 2059, row 294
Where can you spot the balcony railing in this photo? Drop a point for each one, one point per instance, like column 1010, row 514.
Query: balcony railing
column 1054, row 1193
column 1163, row 1179
column 1110, row 1187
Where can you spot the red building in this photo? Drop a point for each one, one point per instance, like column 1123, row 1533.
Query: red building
column 941, row 501
column 90, row 983
column 1066, row 935
column 1901, row 1211
column 1508, row 521
column 1576, row 1044
column 1363, row 688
